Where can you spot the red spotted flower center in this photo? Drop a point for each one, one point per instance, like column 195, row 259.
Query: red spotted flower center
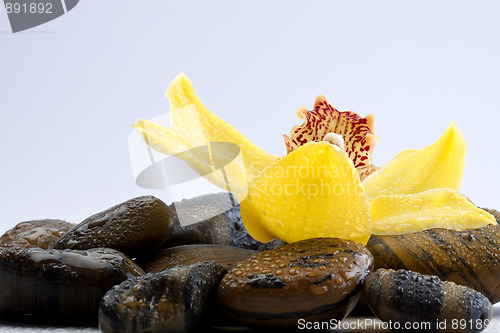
column 356, row 132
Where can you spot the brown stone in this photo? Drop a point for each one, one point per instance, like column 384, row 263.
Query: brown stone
column 227, row 256
column 470, row 258
column 314, row 279
column 37, row 233
column 135, row 226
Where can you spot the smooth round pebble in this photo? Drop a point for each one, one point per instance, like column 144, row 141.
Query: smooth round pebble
column 59, row 286
column 209, row 219
column 135, row 226
column 469, row 257
column 179, row 299
column 424, row 303
column 227, row 256
column 37, row 233
column 315, row 280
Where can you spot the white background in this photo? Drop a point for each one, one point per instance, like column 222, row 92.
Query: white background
column 70, row 89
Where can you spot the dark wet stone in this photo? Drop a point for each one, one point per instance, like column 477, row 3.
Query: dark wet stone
column 210, row 219
column 408, row 297
column 59, row 286
column 179, row 299
column 135, row 226
column 225, row 255
column 271, row 245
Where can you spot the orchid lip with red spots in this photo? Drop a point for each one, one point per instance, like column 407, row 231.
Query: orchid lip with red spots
column 356, row 131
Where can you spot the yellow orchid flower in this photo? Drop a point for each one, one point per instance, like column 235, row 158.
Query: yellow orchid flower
column 326, row 185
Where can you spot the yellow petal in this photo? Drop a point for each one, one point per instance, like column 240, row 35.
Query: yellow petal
column 439, row 165
column 193, row 126
column 314, row 191
column 436, row 208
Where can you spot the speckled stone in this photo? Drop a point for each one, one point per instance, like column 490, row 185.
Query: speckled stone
column 314, row 279
column 37, row 233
